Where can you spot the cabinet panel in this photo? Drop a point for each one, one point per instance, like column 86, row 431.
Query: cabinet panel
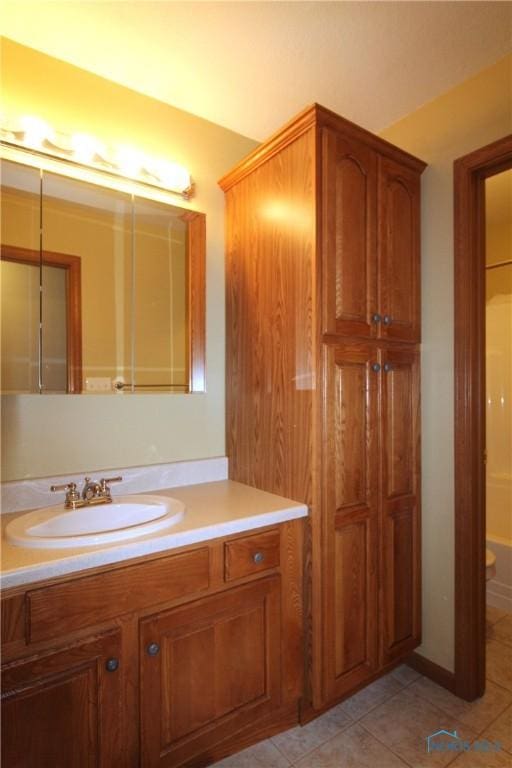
column 399, row 433
column 400, row 507
column 353, row 596
column 351, row 467
column 399, row 251
column 217, row 670
column 92, row 600
column 63, row 709
column 349, row 235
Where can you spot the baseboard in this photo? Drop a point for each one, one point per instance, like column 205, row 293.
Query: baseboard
column 430, row 669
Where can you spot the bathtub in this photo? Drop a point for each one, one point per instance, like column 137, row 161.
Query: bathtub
column 499, row 538
column 499, row 589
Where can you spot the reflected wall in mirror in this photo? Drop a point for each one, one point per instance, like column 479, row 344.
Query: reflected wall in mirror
column 101, row 291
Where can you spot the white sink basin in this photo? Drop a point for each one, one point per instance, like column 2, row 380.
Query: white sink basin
column 125, row 518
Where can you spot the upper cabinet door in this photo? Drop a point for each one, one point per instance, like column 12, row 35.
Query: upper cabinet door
column 349, row 236
column 399, row 252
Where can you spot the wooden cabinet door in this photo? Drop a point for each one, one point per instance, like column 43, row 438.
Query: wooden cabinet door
column 349, row 244
column 64, row 709
column 401, row 551
column 207, row 670
column 351, row 485
column 398, row 252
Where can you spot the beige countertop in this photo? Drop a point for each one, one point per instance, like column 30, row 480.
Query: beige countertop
column 212, row 510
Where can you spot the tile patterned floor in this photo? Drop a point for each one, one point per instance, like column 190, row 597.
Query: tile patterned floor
column 386, row 724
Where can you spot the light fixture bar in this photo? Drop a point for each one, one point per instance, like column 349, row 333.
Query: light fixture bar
column 81, row 151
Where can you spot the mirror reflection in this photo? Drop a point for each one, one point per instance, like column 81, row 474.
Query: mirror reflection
column 95, row 287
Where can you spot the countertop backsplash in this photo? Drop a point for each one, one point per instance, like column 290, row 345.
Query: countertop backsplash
column 19, row 495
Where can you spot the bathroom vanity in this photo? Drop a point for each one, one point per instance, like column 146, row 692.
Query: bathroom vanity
column 177, row 657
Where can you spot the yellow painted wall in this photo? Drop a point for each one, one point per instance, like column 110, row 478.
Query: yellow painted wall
column 469, row 116
column 53, row 434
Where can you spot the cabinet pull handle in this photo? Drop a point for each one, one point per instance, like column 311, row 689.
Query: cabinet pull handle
column 388, row 367
column 258, row 557
column 376, row 367
column 112, row 665
column 376, row 318
column 387, row 319
column 153, row 649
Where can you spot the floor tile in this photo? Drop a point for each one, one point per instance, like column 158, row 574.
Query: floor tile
column 501, row 730
column 499, row 663
column 476, row 714
column 261, row 755
column 482, row 759
column 405, row 675
column 375, row 693
column 403, row 724
column 353, row 748
column 492, row 614
column 502, row 630
column 298, row 741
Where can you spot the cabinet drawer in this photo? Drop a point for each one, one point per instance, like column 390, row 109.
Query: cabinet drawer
column 94, row 599
column 251, row 554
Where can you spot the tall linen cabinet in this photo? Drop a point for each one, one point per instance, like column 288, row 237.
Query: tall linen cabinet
column 323, row 327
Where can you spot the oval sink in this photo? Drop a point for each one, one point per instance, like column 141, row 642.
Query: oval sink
column 125, row 518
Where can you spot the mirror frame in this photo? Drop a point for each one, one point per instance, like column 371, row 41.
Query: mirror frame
column 196, row 300
column 196, row 264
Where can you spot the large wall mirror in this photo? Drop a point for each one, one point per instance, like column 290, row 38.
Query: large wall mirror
column 101, row 291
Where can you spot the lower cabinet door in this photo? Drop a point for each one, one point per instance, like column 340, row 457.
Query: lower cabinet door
column 208, row 669
column 64, row 710
column 350, row 531
column 401, row 548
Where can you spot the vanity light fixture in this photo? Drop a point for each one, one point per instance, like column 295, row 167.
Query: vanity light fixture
column 82, row 150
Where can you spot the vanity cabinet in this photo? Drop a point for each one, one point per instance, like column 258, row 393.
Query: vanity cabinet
column 323, row 325
column 172, row 660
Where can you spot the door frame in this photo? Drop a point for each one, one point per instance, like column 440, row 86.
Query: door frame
column 72, row 265
column 470, row 173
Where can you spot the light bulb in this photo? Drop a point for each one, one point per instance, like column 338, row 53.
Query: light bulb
column 172, row 175
column 129, row 161
column 85, row 147
column 35, row 131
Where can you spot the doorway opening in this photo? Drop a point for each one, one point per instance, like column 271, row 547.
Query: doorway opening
column 470, row 173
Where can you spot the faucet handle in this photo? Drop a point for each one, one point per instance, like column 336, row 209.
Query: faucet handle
column 64, row 487
column 105, row 482
column 72, row 495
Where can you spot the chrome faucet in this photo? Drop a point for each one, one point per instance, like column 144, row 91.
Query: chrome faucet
column 92, row 493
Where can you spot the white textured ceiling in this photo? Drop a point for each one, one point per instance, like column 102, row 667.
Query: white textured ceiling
column 250, row 66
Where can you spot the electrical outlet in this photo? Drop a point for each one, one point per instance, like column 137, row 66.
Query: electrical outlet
column 98, row 384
